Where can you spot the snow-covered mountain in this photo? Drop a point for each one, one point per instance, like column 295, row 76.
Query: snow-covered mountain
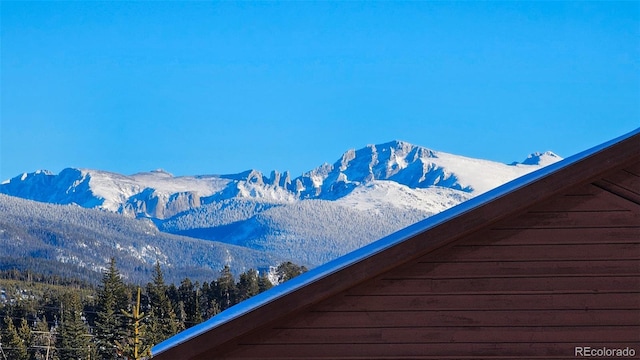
column 63, row 239
column 160, row 195
column 155, row 194
column 326, row 212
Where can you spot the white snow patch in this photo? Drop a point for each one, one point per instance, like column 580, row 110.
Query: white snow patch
column 379, row 194
column 481, row 175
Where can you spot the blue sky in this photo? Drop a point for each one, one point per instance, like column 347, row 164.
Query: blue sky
column 221, row 87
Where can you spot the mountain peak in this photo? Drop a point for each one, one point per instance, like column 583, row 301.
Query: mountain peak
column 394, row 144
column 157, row 173
column 538, row 158
column 162, row 172
column 159, row 194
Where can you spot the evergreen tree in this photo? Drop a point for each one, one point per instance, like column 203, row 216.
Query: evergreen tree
column 24, row 332
column 264, row 283
column 172, row 294
column 181, row 315
column 163, row 322
column 213, row 308
column 50, row 305
column 14, row 347
column 288, row 270
column 196, row 308
column 110, row 323
column 204, row 300
column 210, row 306
column 248, row 285
column 225, row 289
column 189, row 296
column 73, row 340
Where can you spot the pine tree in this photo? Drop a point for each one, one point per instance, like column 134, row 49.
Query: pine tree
column 14, row 347
column 204, row 300
column 110, row 323
column 190, row 298
column 248, row 285
column 210, row 306
column 196, row 309
column 264, row 283
column 288, row 270
column 73, row 340
column 24, row 332
column 163, row 322
column 225, row 289
column 213, row 308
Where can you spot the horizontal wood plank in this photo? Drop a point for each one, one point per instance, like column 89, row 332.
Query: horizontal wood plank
column 526, row 350
column 573, row 219
column 486, row 301
column 434, row 335
column 460, row 318
column 548, row 252
column 408, row 286
column 497, row 236
column 445, row 265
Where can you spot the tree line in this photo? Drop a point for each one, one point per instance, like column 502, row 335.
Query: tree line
column 114, row 320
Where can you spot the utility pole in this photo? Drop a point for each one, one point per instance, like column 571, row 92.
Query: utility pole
column 49, row 335
column 2, row 351
column 48, row 344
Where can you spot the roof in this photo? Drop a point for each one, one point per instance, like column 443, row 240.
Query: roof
column 402, row 246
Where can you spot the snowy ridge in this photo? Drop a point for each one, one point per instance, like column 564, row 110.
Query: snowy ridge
column 413, row 166
column 542, row 159
column 379, row 194
column 324, row 213
column 160, row 195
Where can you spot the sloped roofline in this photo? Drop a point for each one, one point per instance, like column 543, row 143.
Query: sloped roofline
column 381, row 255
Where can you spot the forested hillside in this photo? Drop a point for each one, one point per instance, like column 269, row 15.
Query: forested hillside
column 77, row 242
column 56, row 318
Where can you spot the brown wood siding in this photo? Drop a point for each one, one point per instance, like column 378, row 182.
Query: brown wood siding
column 565, row 273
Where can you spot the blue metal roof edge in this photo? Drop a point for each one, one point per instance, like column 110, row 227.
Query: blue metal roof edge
column 376, row 247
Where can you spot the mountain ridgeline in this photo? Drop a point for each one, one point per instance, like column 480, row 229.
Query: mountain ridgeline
column 245, row 220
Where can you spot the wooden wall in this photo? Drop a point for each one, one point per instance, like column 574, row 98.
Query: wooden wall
column 565, row 273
